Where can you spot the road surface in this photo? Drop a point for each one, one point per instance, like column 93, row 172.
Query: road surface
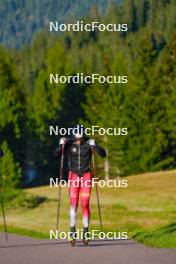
column 26, row 250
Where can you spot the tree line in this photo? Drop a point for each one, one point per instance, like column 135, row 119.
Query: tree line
column 21, row 19
column 146, row 105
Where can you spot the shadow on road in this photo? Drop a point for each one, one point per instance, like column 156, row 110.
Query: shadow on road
column 33, row 244
column 110, row 242
column 93, row 243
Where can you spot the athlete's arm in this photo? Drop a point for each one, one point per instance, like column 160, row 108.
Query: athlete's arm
column 66, row 144
column 97, row 147
column 101, row 151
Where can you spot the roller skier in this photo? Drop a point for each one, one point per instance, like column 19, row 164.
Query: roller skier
column 79, row 149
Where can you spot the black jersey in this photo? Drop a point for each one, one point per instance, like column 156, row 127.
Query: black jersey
column 79, row 156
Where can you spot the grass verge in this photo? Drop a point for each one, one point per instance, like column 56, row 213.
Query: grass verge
column 146, row 209
column 24, row 232
column 164, row 237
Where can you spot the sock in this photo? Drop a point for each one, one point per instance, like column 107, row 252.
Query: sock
column 73, row 232
column 73, row 212
column 85, row 233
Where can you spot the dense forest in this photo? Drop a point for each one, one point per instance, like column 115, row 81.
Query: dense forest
column 146, row 105
column 21, row 19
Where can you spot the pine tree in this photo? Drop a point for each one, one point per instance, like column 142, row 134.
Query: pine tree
column 12, row 108
column 130, row 11
column 10, row 172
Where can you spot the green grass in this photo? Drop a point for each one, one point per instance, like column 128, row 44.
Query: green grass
column 146, row 209
column 164, row 237
column 23, row 231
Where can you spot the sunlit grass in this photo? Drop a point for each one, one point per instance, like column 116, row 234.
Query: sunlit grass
column 148, row 203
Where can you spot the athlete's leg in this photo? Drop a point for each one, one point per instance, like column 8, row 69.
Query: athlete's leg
column 85, row 197
column 74, row 197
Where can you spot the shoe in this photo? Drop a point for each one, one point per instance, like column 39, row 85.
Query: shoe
column 72, row 236
column 86, row 238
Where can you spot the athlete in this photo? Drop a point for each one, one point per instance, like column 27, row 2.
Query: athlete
column 79, row 151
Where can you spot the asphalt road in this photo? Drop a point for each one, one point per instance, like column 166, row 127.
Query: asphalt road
column 26, row 250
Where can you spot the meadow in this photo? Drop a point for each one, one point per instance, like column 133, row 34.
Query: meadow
column 146, row 209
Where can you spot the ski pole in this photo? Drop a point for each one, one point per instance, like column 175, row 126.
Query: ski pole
column 4, row 218
column 96, row 187
column 59, row 192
